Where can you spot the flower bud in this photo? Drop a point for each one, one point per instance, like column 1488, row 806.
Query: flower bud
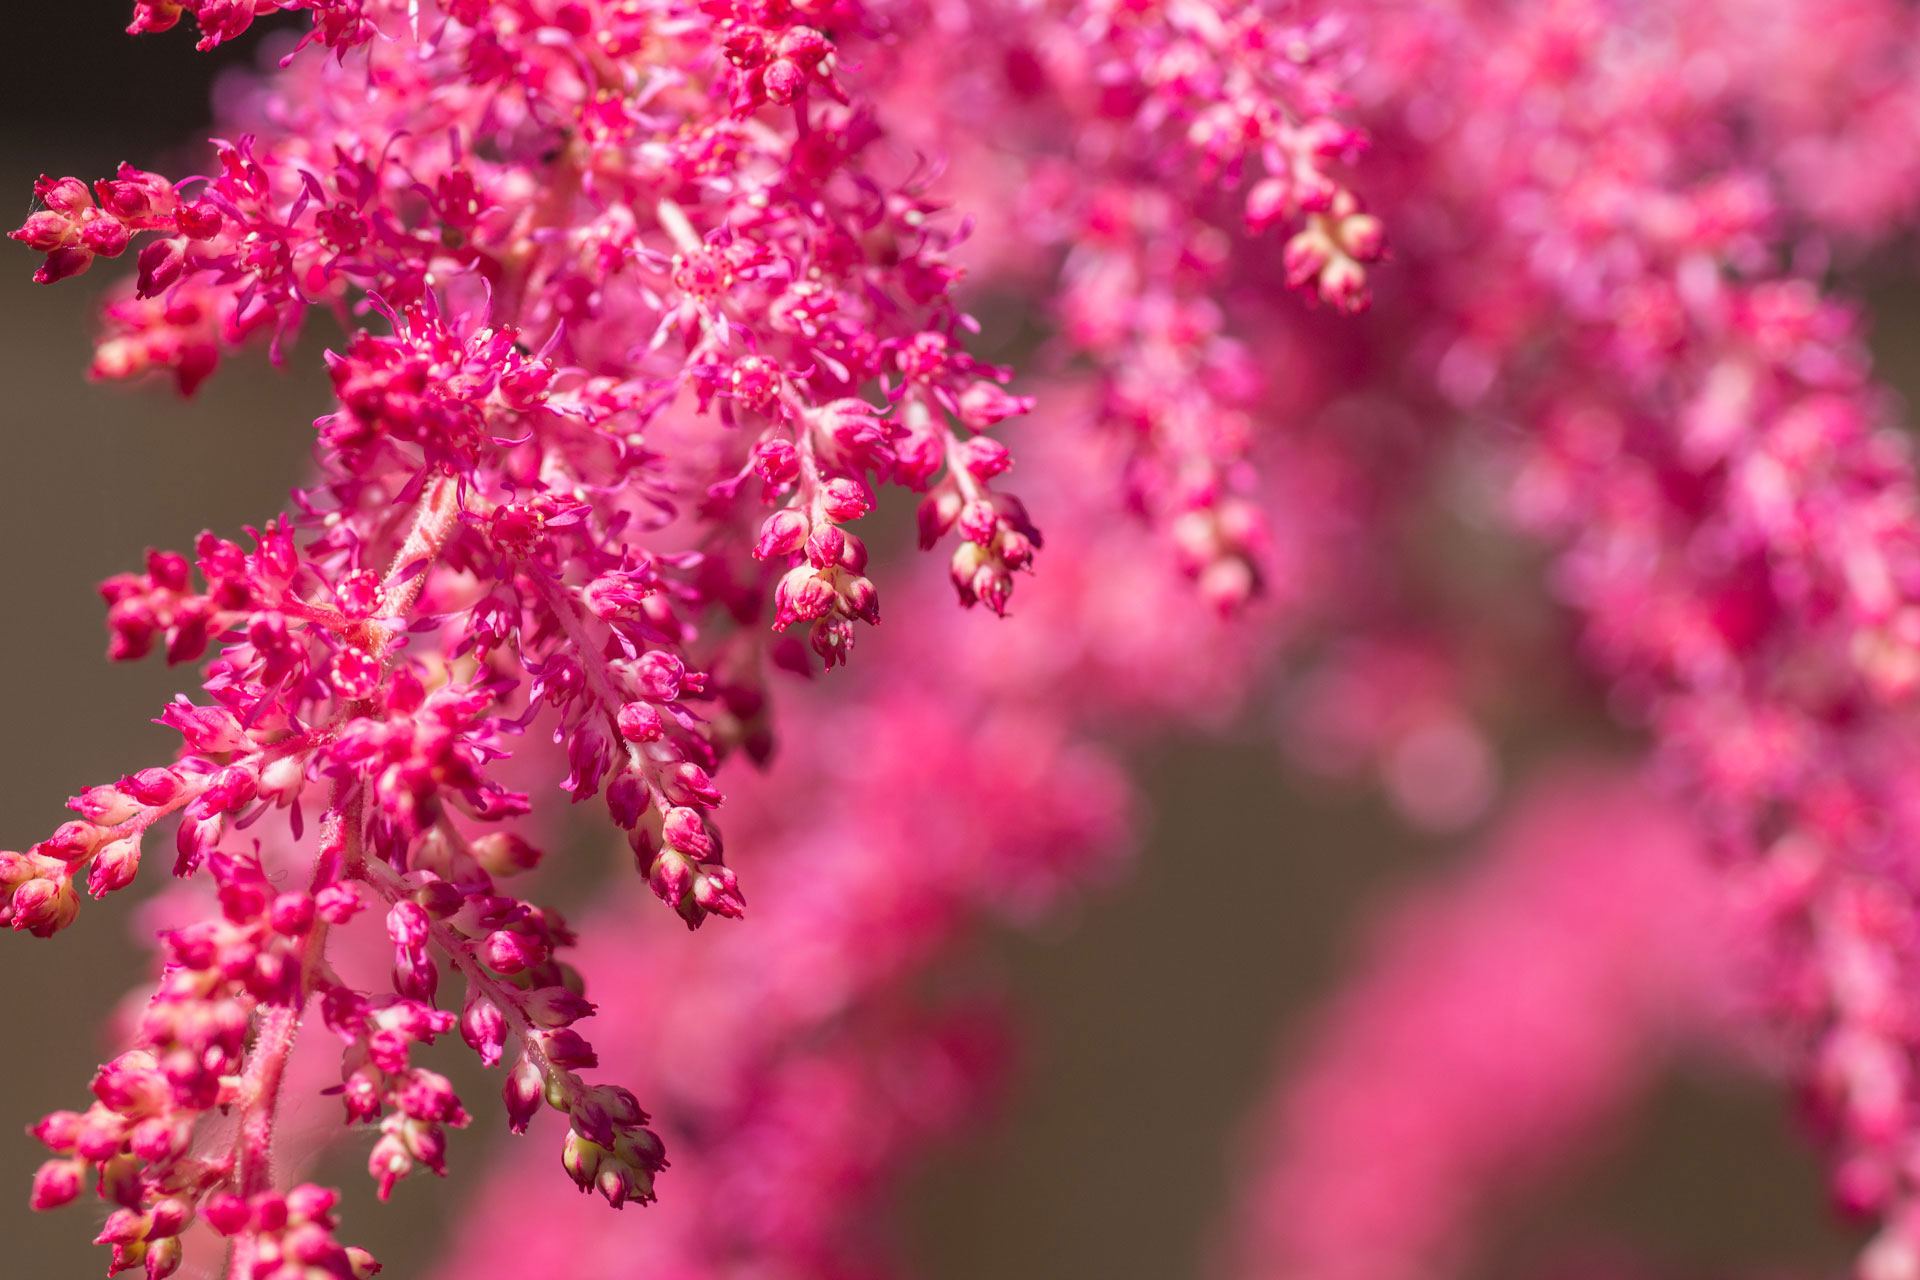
column 508, row 952
column 984, row 404
column 164, row 1257
column 553, row 1007
column 640, row 722
column 155, row 787
column 825, row 546
column 689, row 784
column 106, row 806
column 659, row 675
column 484, row 1028
column 524, row 1089
column 846, row 498
column 568, row 1049
column 57, row 1183
column 105, row 236
column 784, row 532
column 225, row 1213
column 114, row 867
column 44, row 907
column 802, row 596
column 502, row 853
column 978, row 519
column 291, row 914
column 717, row 890
column 685, row 830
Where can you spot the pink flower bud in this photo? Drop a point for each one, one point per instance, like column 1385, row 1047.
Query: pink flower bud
column 72, row 842
column 659, row 673
column 106, row 236
column 628, row 797
column 114, row 867
column 161, row 264
column 556, row 1007
column 984, row 404
column 155, row 787
column 717, row 890
column 169, row 1217
column 16, row 869
column 1267, row 203
column 846, row 498
column 853, row 553
column 670, row 877
column 508, row 952
column 502, row 853
column 337, row 903
column 291, row 914
column 784, row 532
column 993, row 586
column 1362, row 236
column 825, row 546
column 207, row 730
column 801, row 596
column 985, row 457
column 523, row 1092
column 164, row 1257
column 225, row 1213
column 783, row 80
column 107, row 806
column 484, row 1028
column 777, row 462
column 689, row 784
column 45, row 231
column 567, row 1049
column 57, row 1183
column 45, row 907
column 1306, row 253
column 685, row 830
column 63, row 264
column 1015, row 549
column 67, row 196
column 978, row 520
column 1343, row 283
column 640, row 722
column 862, row 599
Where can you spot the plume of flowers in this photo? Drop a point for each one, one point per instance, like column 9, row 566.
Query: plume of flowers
column 650, row 300
column 1441, row 1083
column 559, row 222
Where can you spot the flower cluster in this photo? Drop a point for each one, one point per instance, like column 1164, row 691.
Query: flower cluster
column 651, row 303
column 621, row 278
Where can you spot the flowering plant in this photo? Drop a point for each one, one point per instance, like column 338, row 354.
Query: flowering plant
column 650, row 303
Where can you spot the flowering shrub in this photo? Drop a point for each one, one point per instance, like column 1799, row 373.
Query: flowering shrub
column 1316, row 305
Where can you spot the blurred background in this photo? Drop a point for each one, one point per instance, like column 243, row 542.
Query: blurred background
column 1152, row 1018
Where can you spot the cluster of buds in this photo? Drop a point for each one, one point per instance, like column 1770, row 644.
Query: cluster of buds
column 133, row 1143
column 72, row 228
column 290, row 1236
column 1219, row 545
column 608, row 1147
column 997, row 539
column 1329, row 254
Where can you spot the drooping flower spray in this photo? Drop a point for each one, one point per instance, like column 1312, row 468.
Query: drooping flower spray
column 651, row 302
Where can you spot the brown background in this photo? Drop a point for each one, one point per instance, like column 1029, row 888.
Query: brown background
column 1153, row 1017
